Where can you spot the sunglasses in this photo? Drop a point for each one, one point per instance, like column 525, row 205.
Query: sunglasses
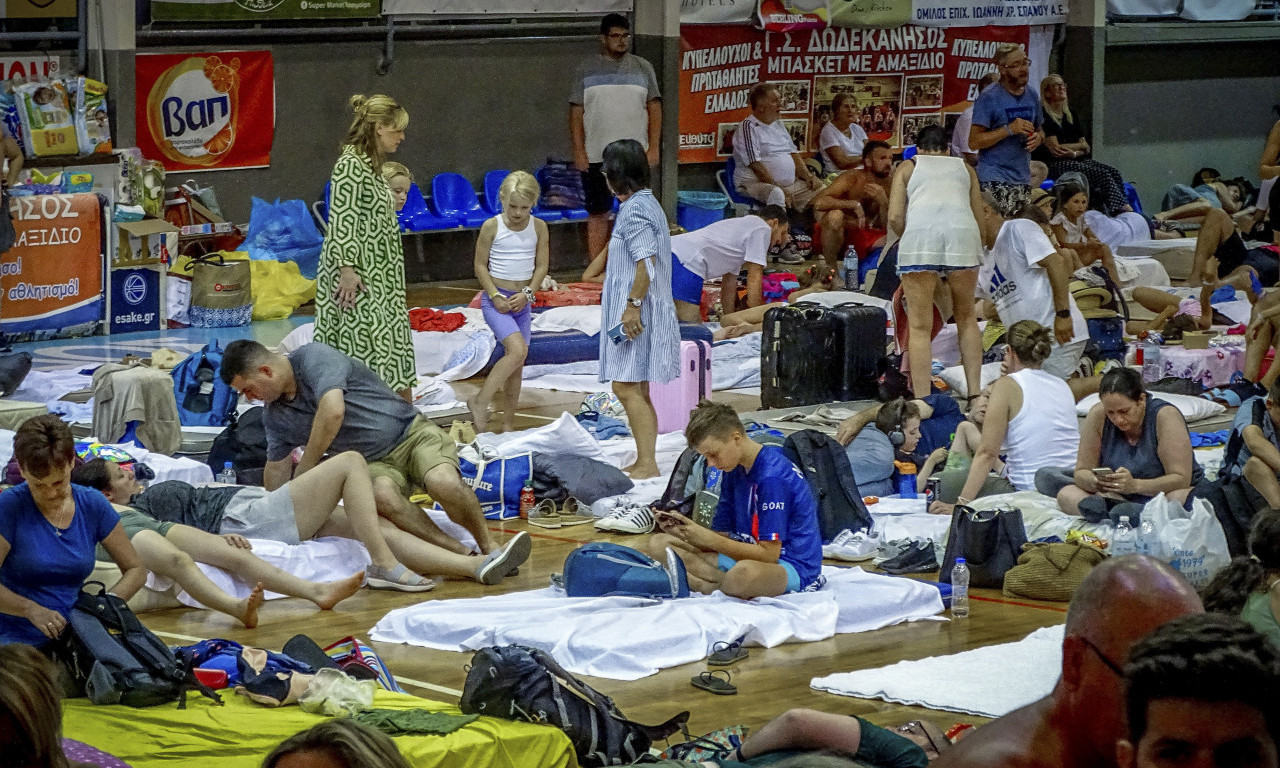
column 1111, row 665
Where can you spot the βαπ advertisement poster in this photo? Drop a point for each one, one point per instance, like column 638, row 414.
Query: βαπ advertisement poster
column 206, row 111
column 902, row 79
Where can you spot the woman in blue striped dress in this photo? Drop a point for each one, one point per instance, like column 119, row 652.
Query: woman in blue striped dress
column 637, row 296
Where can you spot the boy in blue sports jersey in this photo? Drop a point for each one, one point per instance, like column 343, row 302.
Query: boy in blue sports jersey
column 764, row 539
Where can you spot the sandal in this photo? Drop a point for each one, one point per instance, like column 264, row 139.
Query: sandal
column 399, row 578
column 571, row 513
column 723, row 654
column 544, row 515
column 709, row 682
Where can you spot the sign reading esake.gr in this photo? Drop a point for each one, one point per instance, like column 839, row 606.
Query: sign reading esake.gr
column 206, row 111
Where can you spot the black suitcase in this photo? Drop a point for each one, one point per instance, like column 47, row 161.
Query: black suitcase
column 813, row 354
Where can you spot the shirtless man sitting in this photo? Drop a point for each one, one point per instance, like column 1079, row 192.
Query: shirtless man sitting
column 854, row 208
column 1078, row 724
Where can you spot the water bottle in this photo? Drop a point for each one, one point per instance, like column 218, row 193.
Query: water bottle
column 960, row 590
column 527, row 499
column 1123, row 542
column 906, row 479
column 1151, row 363
column 227, row 475
column 1147, row 544
column 850, row 268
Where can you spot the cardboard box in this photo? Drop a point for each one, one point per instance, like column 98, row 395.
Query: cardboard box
column 141, row 243
column 1197, row 339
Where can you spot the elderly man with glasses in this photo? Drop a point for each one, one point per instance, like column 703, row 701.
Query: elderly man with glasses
column 1078, row 724
column 1006, row 129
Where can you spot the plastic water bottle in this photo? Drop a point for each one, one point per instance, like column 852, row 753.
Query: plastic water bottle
column 527, row 499
column 1147, row 544
column 1151, row 363
column 960, row 590
column 1124, row 542
column 227, row 475
column 906, row 479
column 850, row 268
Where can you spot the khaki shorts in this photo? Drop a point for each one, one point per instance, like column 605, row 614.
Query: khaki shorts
column 423, row 448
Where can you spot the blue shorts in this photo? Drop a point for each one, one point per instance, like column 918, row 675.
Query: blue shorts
column 685, row 285
column 504, row 324
column 793, row 578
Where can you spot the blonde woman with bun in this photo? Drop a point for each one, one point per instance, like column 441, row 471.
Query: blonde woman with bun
column 512, row 255
column 360, row 301
column 1046, row 435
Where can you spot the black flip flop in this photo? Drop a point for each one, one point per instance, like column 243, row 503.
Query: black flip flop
column 709, row 682
column 723, row 654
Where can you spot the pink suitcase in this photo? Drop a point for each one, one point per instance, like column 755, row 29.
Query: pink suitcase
column 674, row 399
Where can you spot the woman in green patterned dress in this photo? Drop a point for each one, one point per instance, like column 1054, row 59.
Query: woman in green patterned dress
column 360, row 302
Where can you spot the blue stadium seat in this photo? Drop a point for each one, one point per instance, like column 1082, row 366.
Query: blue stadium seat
column 729, row 188
column 415, row 216
column 909, row 152
column 492, row 181
column 1046, row 185
column 1131, row 192
column 453, row 197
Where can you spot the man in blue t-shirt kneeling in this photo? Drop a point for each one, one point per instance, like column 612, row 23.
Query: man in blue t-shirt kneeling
column 764, row 539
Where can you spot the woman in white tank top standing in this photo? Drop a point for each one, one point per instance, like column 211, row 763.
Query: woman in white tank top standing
column 511, row 262
column 1031, row 421
column 934, row 206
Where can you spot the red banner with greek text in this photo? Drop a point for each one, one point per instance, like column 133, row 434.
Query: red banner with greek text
column 902, row 79
column 206, row 111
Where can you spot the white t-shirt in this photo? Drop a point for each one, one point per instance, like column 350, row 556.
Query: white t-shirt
column 755, row 142
column 832, row 136
column 722, row 247
column 1074, row 230
column 1011, row 276
column 960, row 137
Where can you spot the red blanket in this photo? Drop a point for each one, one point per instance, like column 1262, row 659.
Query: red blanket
column 428, row 319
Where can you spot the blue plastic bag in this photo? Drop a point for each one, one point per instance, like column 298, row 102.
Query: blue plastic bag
column 284, row 231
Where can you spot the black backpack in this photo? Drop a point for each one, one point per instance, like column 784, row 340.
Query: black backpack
column 244, row 444
column 519, row 683
column 826, row 466
column 113, row 659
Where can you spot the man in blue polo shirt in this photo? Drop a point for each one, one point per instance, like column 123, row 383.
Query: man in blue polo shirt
column 1006, row 130
column 764, row 540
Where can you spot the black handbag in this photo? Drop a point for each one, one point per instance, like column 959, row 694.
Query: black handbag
column 989, row 541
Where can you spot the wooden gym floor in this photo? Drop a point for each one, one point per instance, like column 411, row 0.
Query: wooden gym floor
column 770, row 681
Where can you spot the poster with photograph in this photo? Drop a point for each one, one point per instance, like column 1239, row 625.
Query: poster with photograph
column 911, row 125
column 891, row 73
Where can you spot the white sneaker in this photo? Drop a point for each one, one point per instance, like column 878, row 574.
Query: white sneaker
column 854, row 547
column 606, row 523
column 636, row 518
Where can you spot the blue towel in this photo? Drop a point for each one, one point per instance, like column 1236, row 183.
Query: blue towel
column 1206, row 439
column 602, row 427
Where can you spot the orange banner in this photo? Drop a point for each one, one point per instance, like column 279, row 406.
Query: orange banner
column 205, row 112
column 51, row 279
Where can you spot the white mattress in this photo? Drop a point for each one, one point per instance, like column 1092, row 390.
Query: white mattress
column 1175, row 255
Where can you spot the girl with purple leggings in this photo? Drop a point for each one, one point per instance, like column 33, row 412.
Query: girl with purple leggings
column 511, row 261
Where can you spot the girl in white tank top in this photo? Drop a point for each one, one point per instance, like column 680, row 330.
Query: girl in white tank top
column 511, row 263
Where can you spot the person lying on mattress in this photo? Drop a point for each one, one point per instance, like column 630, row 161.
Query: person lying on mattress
column 330, row 403
column 1030, row 421
column 1077, row 725
column 302, row 509
column 925, row 426
column 1201, row 691
column 806, row 731
column 49, row 529
column 172, row 550
column 1133, row 446
column 764, row 539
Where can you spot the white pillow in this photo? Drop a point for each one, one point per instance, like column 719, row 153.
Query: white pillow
column 585, row 319
column 1192, row 408
column 836, row 298
column 954, row 377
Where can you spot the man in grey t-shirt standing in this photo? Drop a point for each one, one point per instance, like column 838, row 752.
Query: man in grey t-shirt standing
column 320, row 399
column 615, row 96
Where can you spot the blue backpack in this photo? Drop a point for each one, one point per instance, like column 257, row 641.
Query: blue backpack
column 203, row 400
column 601, row 569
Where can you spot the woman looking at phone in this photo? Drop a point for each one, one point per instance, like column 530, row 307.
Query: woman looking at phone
column 1132, row 447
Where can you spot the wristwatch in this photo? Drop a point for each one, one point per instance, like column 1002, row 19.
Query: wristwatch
column 1063, row 313
column 637, row 303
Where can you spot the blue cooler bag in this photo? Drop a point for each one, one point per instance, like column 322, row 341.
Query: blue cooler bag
column 497, row 483
column 601, row 569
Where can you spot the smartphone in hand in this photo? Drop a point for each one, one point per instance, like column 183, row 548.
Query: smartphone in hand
column 616, row 334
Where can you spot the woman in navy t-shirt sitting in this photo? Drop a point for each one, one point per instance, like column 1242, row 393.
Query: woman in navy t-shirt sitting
column 48, row 531
column 764, row 540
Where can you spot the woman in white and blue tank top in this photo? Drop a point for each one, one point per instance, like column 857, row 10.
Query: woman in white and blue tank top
column 511, row 262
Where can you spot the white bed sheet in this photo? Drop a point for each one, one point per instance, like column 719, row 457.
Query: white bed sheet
column 735, row 363
column 582, row 633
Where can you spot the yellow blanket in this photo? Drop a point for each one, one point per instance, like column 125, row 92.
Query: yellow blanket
column 241, row 733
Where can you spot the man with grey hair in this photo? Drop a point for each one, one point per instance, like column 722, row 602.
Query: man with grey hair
column 1006, row 130
column 1077, row 725
column 769, row 167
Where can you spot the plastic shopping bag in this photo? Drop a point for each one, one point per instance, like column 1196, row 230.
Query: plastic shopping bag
column 1192, row 542
column 284, row 231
